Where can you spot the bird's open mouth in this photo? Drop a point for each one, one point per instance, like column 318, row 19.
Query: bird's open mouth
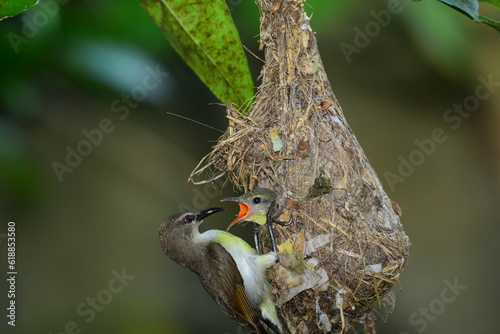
column 244, row 210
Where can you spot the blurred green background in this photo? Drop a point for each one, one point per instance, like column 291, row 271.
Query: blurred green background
column 64, row 69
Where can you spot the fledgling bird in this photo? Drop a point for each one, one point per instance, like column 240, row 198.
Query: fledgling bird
column 231, row 271
column 257, row 206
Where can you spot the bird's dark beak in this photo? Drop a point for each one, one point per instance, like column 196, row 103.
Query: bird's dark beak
column 207, row 212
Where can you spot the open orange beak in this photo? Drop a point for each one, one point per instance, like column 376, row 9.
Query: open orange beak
column 244, row 213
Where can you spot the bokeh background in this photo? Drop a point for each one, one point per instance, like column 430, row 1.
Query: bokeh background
column 65, row 69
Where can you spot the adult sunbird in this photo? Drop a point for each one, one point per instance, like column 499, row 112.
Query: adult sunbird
column 231, row 271
column 257, row 206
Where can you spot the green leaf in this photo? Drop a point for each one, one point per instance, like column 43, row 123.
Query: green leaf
column 468, row 7
column 492, row 23
column 489, row 21
column 471, row 8
column 204, row 35
column 10, row 8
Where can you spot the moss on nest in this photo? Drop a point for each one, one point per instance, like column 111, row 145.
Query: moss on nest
column 322, row 186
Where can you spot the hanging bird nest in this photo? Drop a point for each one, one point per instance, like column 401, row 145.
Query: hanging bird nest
column 345, row 249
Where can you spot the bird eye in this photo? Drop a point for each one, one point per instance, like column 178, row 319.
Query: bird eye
column 256, row 200
column 189, row 219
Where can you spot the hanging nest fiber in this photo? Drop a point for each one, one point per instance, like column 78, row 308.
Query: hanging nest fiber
column 346, row 247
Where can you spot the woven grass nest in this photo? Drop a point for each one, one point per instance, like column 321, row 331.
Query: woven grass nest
column 345, row 249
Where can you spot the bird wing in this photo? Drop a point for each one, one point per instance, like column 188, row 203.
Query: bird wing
column 226, row 286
